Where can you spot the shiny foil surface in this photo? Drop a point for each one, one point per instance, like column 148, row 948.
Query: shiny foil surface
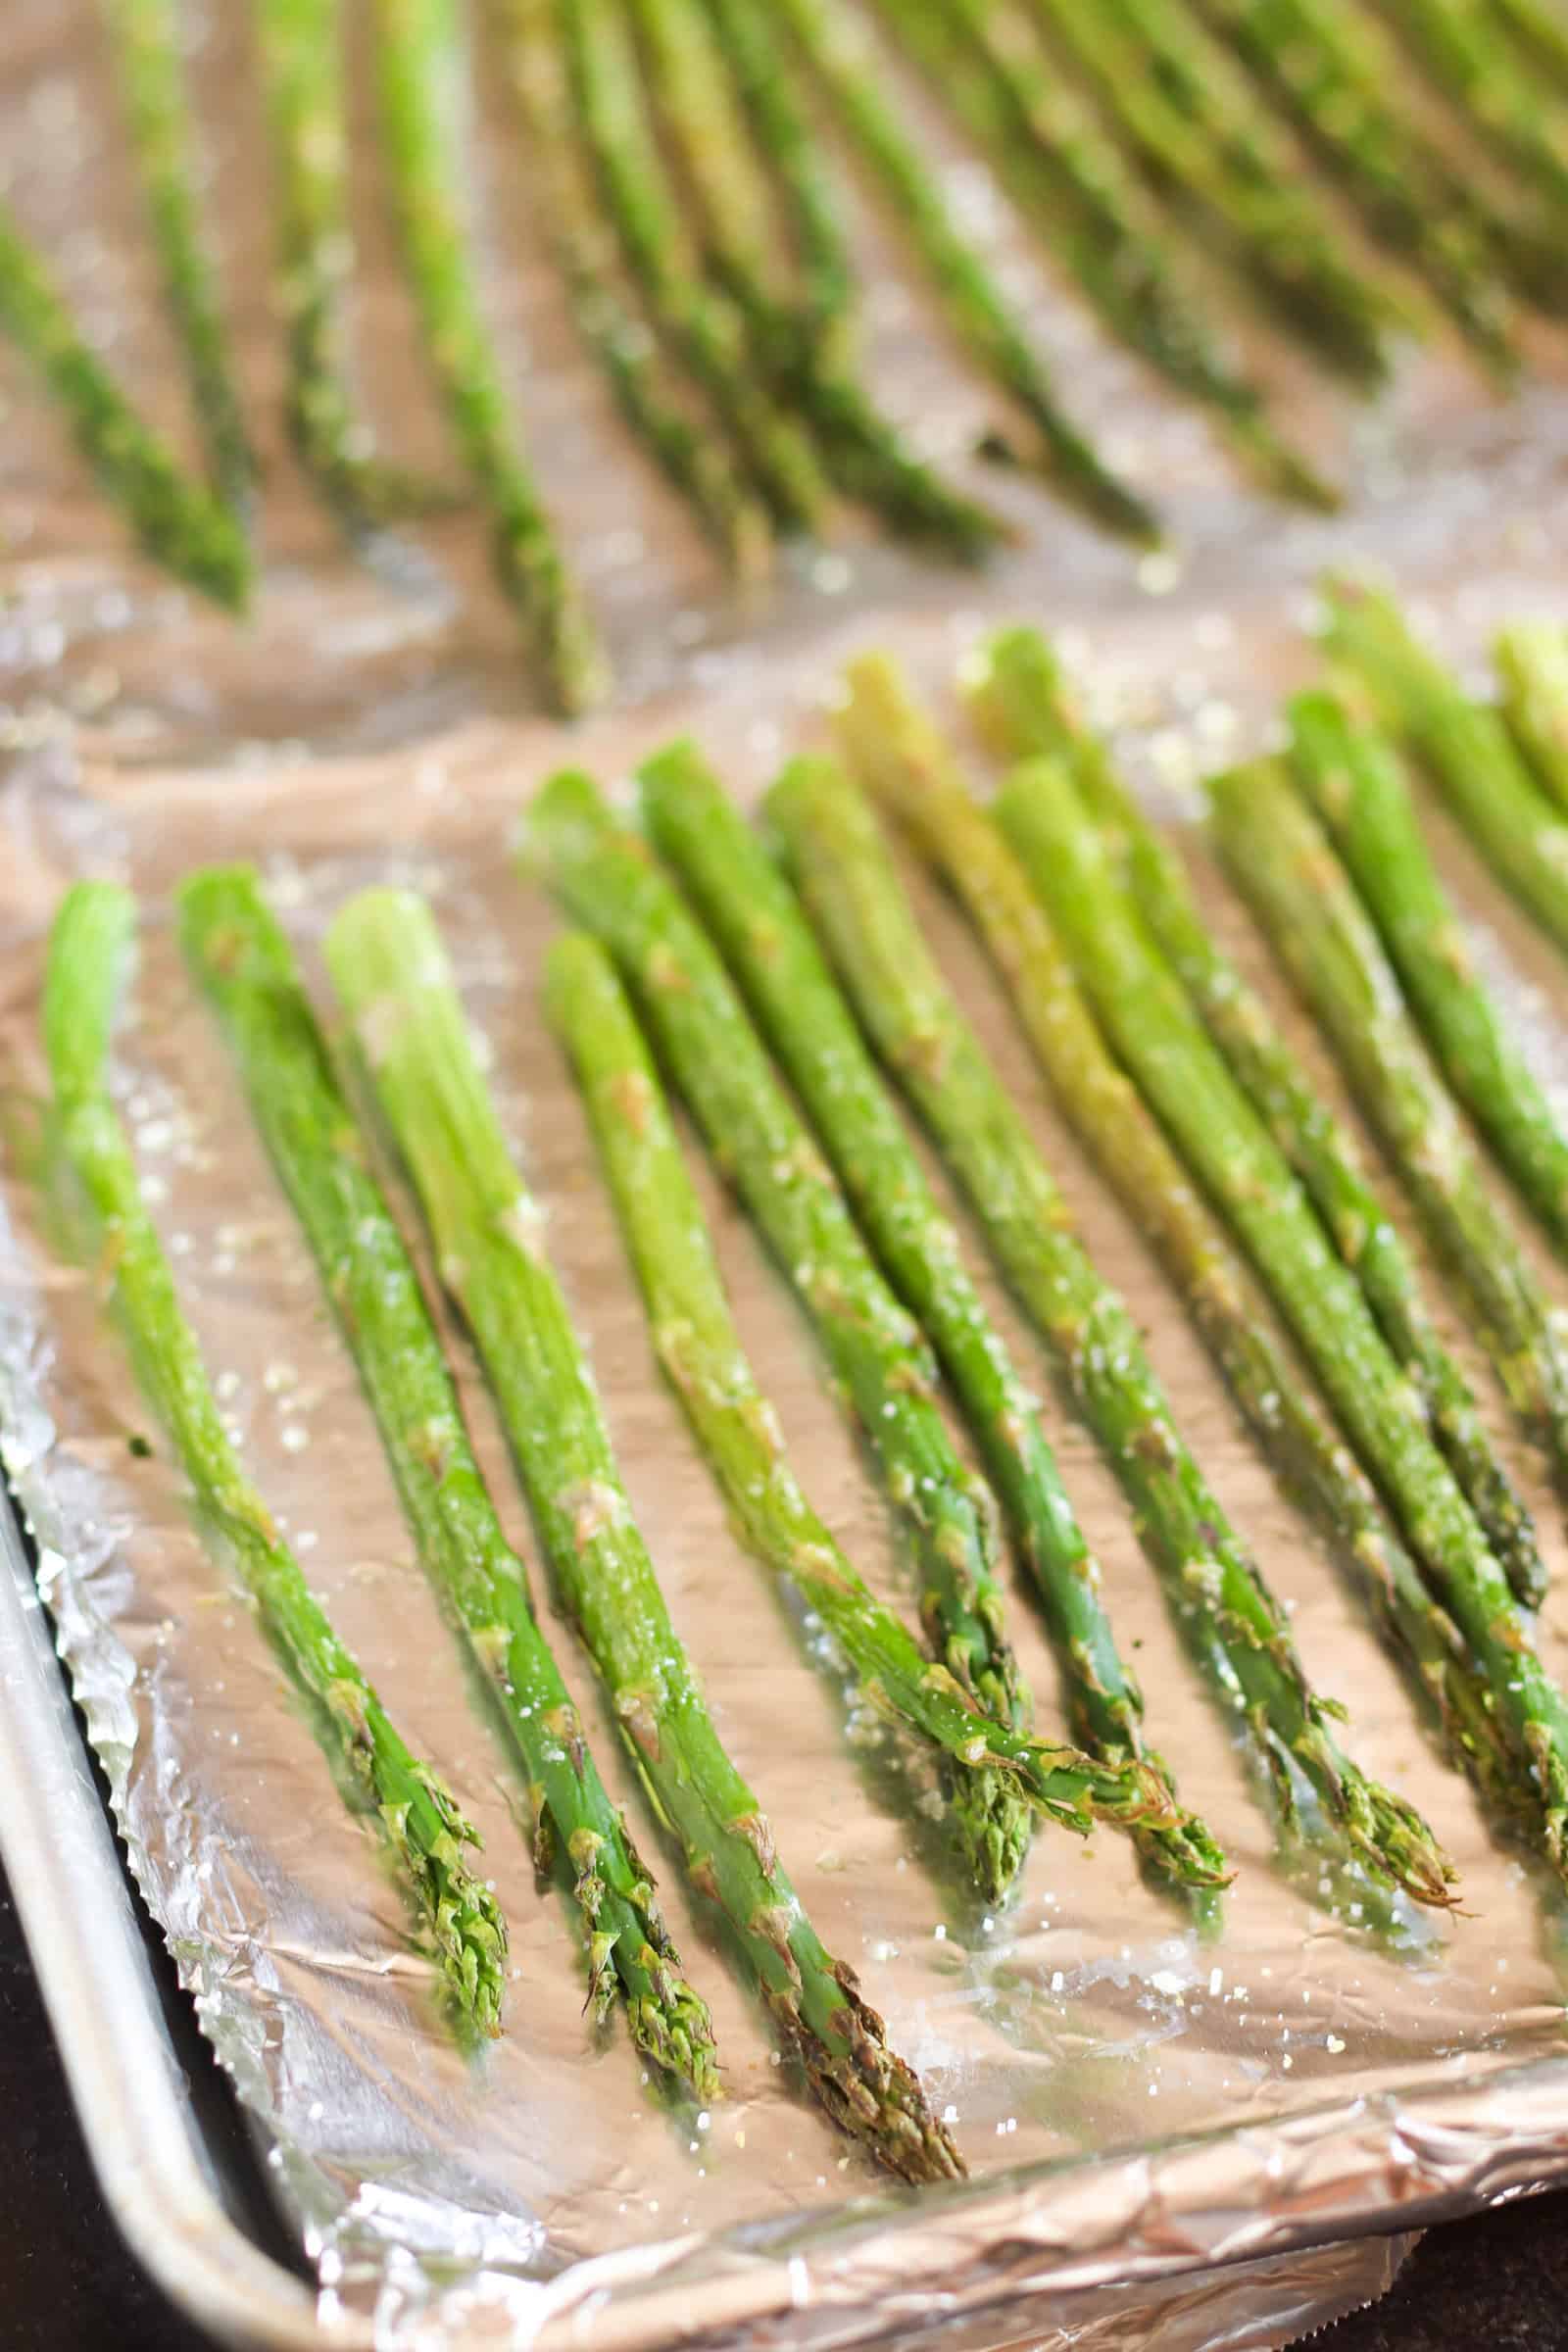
column 1136, row 2098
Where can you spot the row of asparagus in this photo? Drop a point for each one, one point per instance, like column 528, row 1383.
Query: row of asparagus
column 780, row 978
column 689, row 160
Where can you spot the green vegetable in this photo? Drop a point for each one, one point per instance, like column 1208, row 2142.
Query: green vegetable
column 248, row 973
column 699, row 324
column 1354, row 781
column 1237, row 1629
column 1284, row 866
column 176, row 520
column 788, row 142
column 387, row 960
column 1466, row 750
column 609, row 884
column 835, row 46
column 299, row 47
column 90, row 952
column 1532, row 659
column 759, row 925
column 863, row 455
column 1337, row 78
column 1178, row 103
column 1069, row 181
column 645, row 384
column 912, row 771
column 1024, row 708
column 420, row 68
column 152, row 81
column 1459, row 45
column 697, row 1344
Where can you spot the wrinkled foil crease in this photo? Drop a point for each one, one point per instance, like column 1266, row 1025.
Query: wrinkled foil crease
column 1163, row 2130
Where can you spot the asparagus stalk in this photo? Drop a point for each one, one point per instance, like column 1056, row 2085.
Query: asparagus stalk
column 697, row 465
column 387, row 960
column 1466, row 750
column 421, row 68
column 1069, row 180
column 980, row 315
column 1539, row 32
column 1338, row 964
column 1285, row 868
column 764, row 937
column 1173, row 95
column 608, row 883
column 702, row 326
column 909, row 767
column 1458, row 45
column 788, row 142
column 863, row 453
column 152, row 81
column 1022, row 700
column 1336, row 77
column 1532, row 662
column 1240, row 1632
column 303, row 73
column 701, row 1353
column 174, row 518
column 1354, row 781
column 248, row 971
column 91, row 949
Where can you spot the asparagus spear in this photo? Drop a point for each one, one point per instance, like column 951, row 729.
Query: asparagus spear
column 1466, row 750
column 420, row 66
column 303, row 73
column 702, row 326
column 1302, row 899
column 1242, row 1636
column 152, row 81
column 863, row 453
column 608, row 883
column 835, row 47
column 1336, row 77
column 174, row 518
column 1022, row 700
column 1460, row 48
column 1540, row 33
column 911, row 768
column 248, row 971
column 1354, row 781
column 763, row 936
column 788, row 142
column 1170, row 91
column 90, row 953
column 641, row 377
column 1069, row 180
column 1282, row 862
column 734, row 1424
column 387, row 960
column 1532, row 660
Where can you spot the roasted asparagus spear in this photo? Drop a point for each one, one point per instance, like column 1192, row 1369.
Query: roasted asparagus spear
column 248, row 971
column 90, row 953
column 762, row 932
column 179, row 522
column 386, row 958
column 1022, row 702
column 698, row 1345
column 609, row 883
column 834, row 849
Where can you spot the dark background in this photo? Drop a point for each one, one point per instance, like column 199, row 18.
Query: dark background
column 1497, row 2284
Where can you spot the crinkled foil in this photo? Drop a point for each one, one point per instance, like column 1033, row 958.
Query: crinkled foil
column 1136, row 2102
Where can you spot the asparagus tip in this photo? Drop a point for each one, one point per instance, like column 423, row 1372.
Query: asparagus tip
column 869, row 2090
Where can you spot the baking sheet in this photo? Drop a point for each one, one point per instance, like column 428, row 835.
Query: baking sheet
column 1132, row 2099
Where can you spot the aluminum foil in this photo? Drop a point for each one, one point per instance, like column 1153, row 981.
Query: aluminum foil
column 1136, row 2102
